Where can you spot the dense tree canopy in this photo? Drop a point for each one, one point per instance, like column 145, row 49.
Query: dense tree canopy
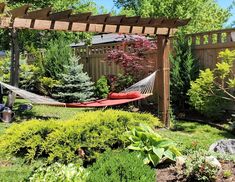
column 205, row 14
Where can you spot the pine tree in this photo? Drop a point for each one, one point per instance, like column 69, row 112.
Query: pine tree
column 75, row 85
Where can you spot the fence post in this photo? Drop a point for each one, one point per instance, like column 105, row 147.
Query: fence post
column 163, row 79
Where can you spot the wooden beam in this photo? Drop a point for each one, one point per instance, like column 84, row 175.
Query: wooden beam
column 182, row 22
column 42, row 14
column 5, row 22
column 162, row 83
column 60, row 15
column 169, row 23
column 114, row 20
column 81, row 17
column 130, row 20
column 98, row 19
column 22, row 23
column 19, row 12
column 2, row 7
column 144, row 21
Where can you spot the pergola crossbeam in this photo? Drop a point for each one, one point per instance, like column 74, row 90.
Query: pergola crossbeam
column 63, row 15
column 19, row 12
column 43, row 19
column 42, row 14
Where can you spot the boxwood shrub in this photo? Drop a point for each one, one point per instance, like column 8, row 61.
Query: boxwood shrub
column 84, row 137
column 120, row 166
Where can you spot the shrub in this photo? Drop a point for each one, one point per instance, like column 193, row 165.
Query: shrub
column 120, row 166
column 152, row 146
column 27, row 139
column 91, row 133
column 214, row 89
column 59, row 173
column 102, row 87
column 204, row 101
column 75, row 85
column 84, row 137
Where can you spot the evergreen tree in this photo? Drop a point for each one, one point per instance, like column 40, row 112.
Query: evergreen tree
column 75, row 85
column 184, row 69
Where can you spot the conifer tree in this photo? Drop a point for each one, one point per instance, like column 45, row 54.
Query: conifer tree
column 184, row 69
column 75, row 85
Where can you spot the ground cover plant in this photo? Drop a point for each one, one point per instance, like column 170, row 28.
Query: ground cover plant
column 83, row 137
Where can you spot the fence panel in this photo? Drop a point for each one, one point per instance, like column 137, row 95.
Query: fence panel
column 207, row 45
column 95, row 64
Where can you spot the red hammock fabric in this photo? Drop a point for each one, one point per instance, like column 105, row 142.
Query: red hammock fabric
column 104, row 102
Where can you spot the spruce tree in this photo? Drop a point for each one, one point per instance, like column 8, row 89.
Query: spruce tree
column 75, row 85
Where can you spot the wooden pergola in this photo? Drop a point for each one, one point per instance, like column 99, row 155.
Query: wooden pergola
column 47, row 19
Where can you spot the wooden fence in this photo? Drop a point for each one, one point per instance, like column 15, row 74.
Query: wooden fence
column 207, row 45
column 94, row 59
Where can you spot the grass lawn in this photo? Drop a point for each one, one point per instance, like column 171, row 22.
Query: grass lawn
column 194, row 136
column 188, row 136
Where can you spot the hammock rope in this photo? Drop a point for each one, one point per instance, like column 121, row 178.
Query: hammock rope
column 144, row 86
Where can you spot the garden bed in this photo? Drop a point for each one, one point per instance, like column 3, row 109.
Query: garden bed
column 170, row 174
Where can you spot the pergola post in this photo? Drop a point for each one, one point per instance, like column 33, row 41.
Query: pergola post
column 15, row 58
column 163, row 79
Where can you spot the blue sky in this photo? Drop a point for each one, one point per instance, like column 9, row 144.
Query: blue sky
column 108, row 4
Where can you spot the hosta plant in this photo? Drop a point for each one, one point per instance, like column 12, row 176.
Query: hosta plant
column 151, row 145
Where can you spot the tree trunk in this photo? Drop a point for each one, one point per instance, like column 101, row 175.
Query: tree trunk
column 15, row 64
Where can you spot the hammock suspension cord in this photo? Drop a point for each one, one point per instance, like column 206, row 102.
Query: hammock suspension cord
column 144, row 86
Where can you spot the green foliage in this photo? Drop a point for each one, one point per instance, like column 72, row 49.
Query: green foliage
column 57, row 57
column 120, row 166
column 213, row 90
column 4, row 69
column 152, row 146
column 28, row 78
column 47, row 84
column 84, row 137
column 201, row 97
column 198, row 168
column 205, row 14
column 75, row 85
column 120, row 82
column 28, row 141
column 184, row 70
column 102, row 87
column 227, row 174
column 59, row 173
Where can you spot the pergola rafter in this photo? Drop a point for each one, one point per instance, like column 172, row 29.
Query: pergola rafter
column 47, row 19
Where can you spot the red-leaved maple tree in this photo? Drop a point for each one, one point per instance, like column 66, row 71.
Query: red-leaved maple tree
column 131, row 56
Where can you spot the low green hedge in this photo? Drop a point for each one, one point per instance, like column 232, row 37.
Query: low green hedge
column 120, row 166
column 84, row 137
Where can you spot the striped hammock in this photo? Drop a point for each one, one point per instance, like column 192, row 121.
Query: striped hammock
column 144, row 86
